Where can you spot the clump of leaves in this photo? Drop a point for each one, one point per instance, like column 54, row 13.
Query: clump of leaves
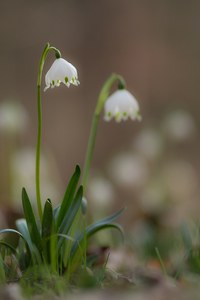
column 60, row 240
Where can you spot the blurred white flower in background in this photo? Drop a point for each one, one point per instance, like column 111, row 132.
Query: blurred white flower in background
column 179, row 125
column 13, row 117
column 129, row 170
column 181, row 179
column 121, row 105
column 148, row 143
column 23, row 172
column 153, row 198
column 61, row 71
column 101, row 194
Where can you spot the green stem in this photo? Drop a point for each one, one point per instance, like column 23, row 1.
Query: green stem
column 37, row 173
column 161, row 261
column 90, row 149
column 39, row 132
column 95, row 120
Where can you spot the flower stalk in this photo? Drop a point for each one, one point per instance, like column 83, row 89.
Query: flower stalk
column 39, row 129
column 104, row 93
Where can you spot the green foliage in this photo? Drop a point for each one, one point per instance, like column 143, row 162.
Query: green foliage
column 94, row 228
column 30, row 221
column 191, row 242
column 41, row 280
column 47, row 220
column 2, row 272
column 68, row 197
column 59, row 242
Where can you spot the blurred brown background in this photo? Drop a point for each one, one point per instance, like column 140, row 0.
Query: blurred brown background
column 154, row 44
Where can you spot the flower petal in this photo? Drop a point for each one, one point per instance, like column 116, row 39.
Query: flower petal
column 61, row 71
column 121, row 105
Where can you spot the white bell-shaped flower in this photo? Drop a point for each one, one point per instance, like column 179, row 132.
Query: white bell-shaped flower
column 61, row 71
column 121, row 105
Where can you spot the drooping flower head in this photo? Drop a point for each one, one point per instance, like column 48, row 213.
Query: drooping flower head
column 121, row 105
column 61, row 71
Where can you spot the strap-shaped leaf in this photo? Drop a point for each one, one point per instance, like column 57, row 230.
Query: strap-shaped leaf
column 12, row 231
column 47, row 220
column 69, row 195
column 24, row 232
column 110, row 218
column 97, row 226
column 7, row 245
column 2, row 271
column 71, row 214
column 56, row 212
column 20, row 234
column 30, row 220
column 91, row 232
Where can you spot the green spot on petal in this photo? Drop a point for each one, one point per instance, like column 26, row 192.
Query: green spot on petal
column 66, row 79
column 117, row 115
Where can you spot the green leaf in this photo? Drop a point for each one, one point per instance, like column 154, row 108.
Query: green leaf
column 110, row 218
column 68, row 197
column 2, row 271
column 97, row 226
column 56, row 212
column 22, row 227
column 30, row 220
column 91, row 230
column 47, row 220
column 71, row 214
column 12, row 231
column 20, row 234
column 7, row 245
column 186, row 236
column 24, row 232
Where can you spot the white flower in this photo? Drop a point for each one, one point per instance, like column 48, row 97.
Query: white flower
column 149, row 143
column 101, row 193
column 13, row 117
column 179, row 125
column 23, row 173
column 121, row 105
column 61, row 71
column 129, row 170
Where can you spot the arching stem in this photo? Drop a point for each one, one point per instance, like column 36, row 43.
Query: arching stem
column 39, row 129
column 95, row 120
